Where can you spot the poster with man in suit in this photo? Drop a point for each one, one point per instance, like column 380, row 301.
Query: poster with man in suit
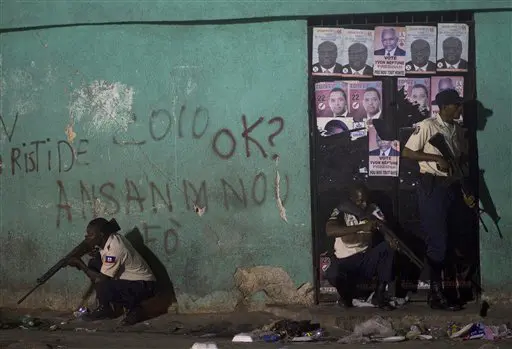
column 365, row 105
column 357, row 59
column 332, row 108
column 452, row 43
column 421, row 49
column 441, row 83
column 384, row 156
column 417, row 91
column 389, row 54
column 327, row 49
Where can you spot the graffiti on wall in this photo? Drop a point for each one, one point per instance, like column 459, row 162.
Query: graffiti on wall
column 78, row 199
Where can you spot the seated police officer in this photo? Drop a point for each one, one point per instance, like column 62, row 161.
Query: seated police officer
column 355, row 259
column 439, row 189
column 120, row 275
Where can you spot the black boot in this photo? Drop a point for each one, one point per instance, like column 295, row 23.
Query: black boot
column 346, row 293
column 437, row 300
column 381, row 297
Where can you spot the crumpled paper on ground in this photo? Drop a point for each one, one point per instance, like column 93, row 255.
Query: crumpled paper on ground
column 376, row 327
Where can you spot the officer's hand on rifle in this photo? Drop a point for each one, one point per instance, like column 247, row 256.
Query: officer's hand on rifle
column 443, row 165
column 75, row 262
column 392, row 243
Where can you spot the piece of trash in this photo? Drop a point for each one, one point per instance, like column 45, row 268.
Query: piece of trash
column 147, row 323
column 392, row 339
column 28, row 321
column 53, row 327
column 314, row 334
column 426, row 337
column 476, row 331
column 375, row 327
column 271, row 338
column 208, row 345
column 64, row 323
column 199, row 210
column 455, row 332
column 80, row 312
column 81, row 329
column 243, row 338
column 302, row 339
column 208, row 335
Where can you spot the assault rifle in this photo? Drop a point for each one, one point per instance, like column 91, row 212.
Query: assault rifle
column 370, row 214
column 440, row 144
column 78, row 252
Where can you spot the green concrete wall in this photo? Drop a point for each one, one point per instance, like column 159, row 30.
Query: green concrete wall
column 211, row 106
column 494, row 83
column 47, row 12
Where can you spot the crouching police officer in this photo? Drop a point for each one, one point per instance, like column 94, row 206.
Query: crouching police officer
column 120, row 275
column 439, row 189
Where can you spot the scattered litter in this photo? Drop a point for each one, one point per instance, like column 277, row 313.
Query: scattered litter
column 28, row 321
column 302, row 339
column 209, row 345
column 243, row 338
column 374, row 328
column 80, row 312
column 53, row 327
column 271, row 338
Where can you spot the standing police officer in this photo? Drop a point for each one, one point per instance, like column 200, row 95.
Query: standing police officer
column 439, row 190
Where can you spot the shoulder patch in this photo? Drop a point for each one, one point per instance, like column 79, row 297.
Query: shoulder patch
column 110, row 259
column 416, row 130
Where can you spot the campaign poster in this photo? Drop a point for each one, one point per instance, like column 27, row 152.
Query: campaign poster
column 383, row 156
column 421, row 49
column 389, row 51
column 332, row 108
column 357, row 58
column 452, row 47
column 327, row 51
column 365, row 104
column 441, row 83
column 417, row 91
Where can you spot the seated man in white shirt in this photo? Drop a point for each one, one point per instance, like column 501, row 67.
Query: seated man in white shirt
column 120, row 275
column 355, row 259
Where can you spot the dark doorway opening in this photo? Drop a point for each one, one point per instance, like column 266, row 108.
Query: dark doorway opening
column 337, row 161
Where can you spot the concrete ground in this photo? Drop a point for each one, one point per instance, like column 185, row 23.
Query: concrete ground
column 19, row 339
column 181, row 331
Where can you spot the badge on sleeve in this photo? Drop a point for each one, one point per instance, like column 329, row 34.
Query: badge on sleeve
column 110, row 259
column 416, row 130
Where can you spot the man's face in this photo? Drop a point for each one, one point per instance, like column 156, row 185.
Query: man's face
column 419, row 96
column 337, row 102
column 357, row 56
column 445, row 84
column 359, row 199
column 452, row 111
column 383, row 145
column 371, row 102
column 93, row 236
column 420, row 52
column 389, row 40
column 452, row 50
column 327, row 54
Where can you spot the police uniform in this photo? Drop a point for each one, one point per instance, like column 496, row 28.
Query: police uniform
column 358, row 261
column 437, row 193
column 130, row 278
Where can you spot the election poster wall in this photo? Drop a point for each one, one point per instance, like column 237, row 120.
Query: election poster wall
column 327, row 49
column 357, row 58
column 441, row 83
column 383, row 156
column 389, row 51
column 417, row 91
column 452, row 43
column 421, row 49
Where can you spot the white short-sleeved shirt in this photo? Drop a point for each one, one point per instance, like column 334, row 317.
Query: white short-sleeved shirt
column 453, row 134
column 121, row 261
column 344, row 250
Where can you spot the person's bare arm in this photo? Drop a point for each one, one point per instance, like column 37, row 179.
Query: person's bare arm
column 349, row 235
column 93, row 275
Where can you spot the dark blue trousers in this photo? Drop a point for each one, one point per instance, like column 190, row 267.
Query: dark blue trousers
column 438, row 203
column 126, row 293
column 362, row 266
